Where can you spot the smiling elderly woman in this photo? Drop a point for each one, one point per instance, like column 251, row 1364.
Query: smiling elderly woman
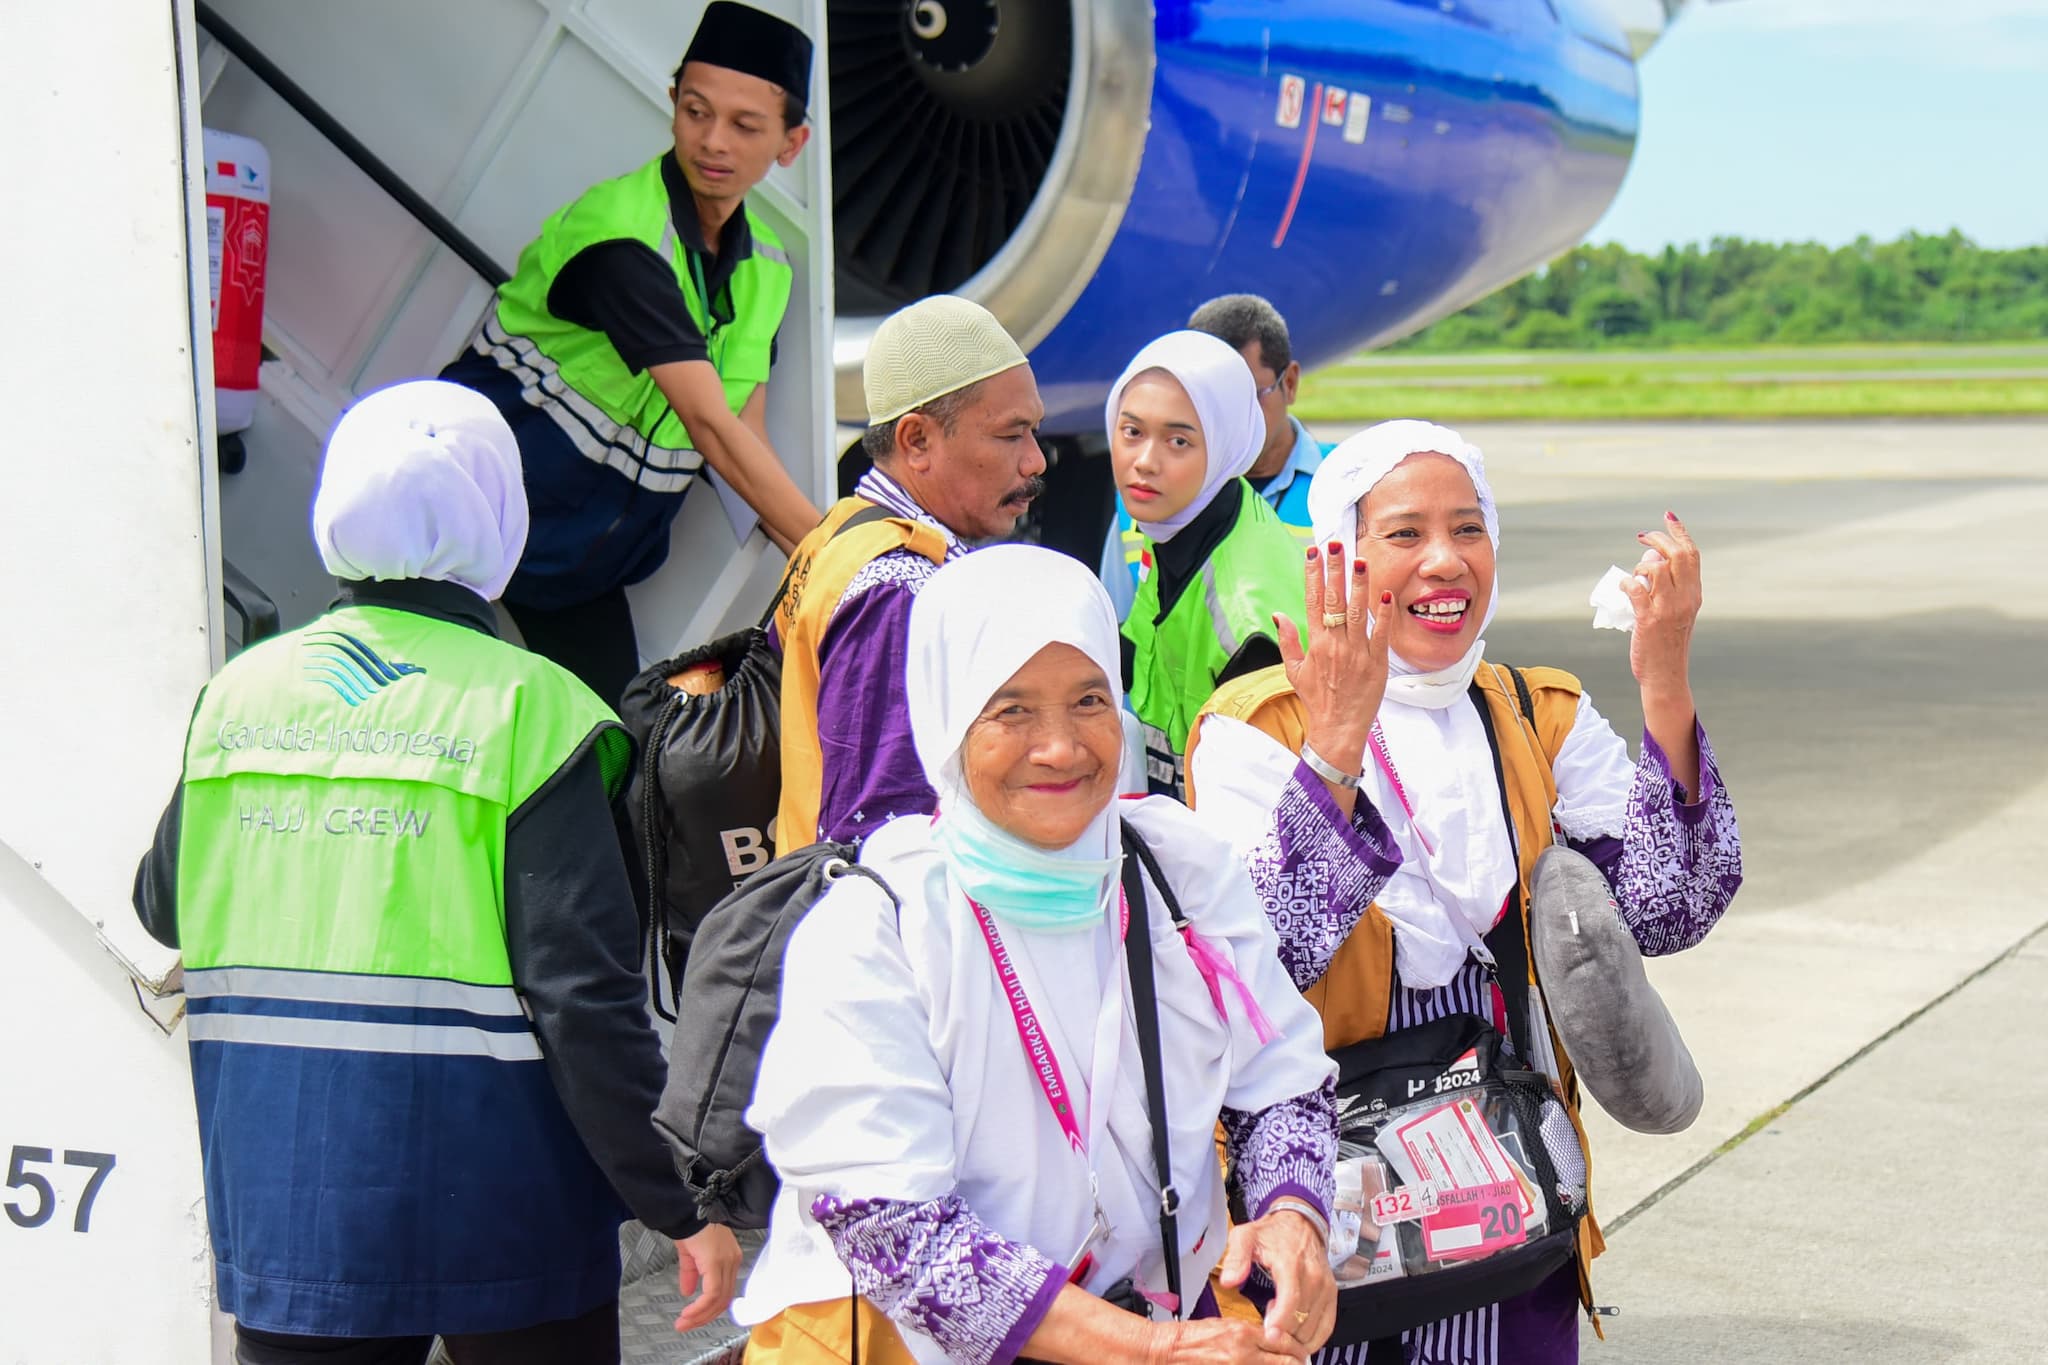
column 956, row 1093
column 1411, row 529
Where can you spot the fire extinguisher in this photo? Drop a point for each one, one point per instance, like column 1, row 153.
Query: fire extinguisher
column 237, row 247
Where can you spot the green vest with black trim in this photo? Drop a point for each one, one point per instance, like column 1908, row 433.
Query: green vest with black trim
column 375, row 1115
column 613, row 415
column 1254, row 574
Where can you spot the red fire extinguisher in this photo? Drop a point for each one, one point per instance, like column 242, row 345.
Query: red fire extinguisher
column 237, row 246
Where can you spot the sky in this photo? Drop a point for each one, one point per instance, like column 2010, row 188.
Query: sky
column 1822, row 120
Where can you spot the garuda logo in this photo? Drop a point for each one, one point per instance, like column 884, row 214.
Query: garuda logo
column 351, row 668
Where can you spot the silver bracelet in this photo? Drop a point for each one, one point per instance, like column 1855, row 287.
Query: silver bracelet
column 1323, row 768
column 1305, row 1209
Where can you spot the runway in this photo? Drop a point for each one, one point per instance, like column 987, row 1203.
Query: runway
column 1870, row 666
column 1865, row 1182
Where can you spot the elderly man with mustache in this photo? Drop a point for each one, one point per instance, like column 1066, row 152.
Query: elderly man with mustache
column 953, row 413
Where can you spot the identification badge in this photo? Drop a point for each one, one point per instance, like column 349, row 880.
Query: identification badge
column 1082, row 1262
column 1474, row 1221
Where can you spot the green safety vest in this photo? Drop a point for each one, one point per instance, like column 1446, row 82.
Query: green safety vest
column 628, row 420
column 346, row 791
column 1253, row 574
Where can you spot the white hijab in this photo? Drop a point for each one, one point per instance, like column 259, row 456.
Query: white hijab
column 422, row 480
column 1340, row 484
column 974, row 623
column 1226, row 400
column 928, row 1090
column 1457, row 862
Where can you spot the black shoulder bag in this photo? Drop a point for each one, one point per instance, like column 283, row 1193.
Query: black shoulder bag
column 709, row 780
column 1503, row 1217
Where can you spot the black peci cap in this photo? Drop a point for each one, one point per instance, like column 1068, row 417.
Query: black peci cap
column 742, row 38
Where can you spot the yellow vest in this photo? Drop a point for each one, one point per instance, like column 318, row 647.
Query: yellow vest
column 822, row 566
column 1355, row 993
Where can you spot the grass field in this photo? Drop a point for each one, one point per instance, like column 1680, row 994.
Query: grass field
column 1766, row 382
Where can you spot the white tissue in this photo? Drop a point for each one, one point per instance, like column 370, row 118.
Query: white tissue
column 1611, row 608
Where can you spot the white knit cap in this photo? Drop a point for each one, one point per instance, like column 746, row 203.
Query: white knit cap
column 934, row 347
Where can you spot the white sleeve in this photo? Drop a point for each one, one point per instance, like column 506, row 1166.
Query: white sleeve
column 1239, row 775
column 1594, row 775
column 1217, row 896
column 877, row 1123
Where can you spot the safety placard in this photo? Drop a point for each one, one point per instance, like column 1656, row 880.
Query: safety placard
column 1293, row 94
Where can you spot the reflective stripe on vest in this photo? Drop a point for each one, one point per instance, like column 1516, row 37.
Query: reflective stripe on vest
column 268, row 1007
column 615, row 416
column 658, row 469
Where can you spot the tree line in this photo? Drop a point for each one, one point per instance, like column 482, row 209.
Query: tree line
column 1736, row 292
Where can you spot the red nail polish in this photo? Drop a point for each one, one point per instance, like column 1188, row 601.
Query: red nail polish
column 1312, row 553
column 1671, row 516
column 1336, row 547
column 1386, row 598
column 1358, row 567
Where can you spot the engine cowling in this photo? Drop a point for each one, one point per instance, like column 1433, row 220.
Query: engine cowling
column 979, row 147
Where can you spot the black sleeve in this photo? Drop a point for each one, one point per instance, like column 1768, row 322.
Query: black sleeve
column 1261, row 651
column 571, row 926
column 156, row 876
column 621, row 288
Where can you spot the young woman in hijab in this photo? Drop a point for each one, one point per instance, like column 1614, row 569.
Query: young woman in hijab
column 1403, row 510
column 1184, row 425
column 953, row 1094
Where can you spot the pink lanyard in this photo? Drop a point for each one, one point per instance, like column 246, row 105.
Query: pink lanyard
column 1045, row 1067
column 1379, row 751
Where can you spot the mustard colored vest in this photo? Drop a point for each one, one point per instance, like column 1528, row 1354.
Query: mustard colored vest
column 820, row 569
column 1355, row 993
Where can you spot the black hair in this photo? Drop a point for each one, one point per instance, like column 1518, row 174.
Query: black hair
column 1240, row 319
column 879, row 440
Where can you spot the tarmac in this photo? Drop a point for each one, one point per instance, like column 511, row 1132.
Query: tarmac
column 1867, row 1181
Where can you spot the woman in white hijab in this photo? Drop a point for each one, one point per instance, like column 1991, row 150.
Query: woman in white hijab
column 1406, row 517
column 1218, row 566
column 953, row 1094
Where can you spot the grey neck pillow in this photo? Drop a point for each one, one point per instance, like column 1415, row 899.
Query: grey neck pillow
column 1621, row 1039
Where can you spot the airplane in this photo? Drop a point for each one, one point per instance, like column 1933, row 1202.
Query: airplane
column 1089, row 169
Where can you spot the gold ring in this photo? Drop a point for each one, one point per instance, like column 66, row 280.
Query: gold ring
column 1300, row 1316
column 1332, row 619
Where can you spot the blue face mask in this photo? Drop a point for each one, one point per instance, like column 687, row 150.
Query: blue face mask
column 1018, row 883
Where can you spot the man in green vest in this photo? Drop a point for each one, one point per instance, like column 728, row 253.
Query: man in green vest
column 420, row 1053
column 633, row 344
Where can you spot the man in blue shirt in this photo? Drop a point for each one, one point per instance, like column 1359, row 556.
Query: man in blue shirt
column 1255, row 329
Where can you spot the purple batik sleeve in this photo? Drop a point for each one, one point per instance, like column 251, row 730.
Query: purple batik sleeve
column 871, row 772
column 1677, row 863
column 1286, row 1149
column 935, row 1268
column 1316, row 872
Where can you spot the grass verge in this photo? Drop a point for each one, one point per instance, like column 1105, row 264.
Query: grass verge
column 1915, row 381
